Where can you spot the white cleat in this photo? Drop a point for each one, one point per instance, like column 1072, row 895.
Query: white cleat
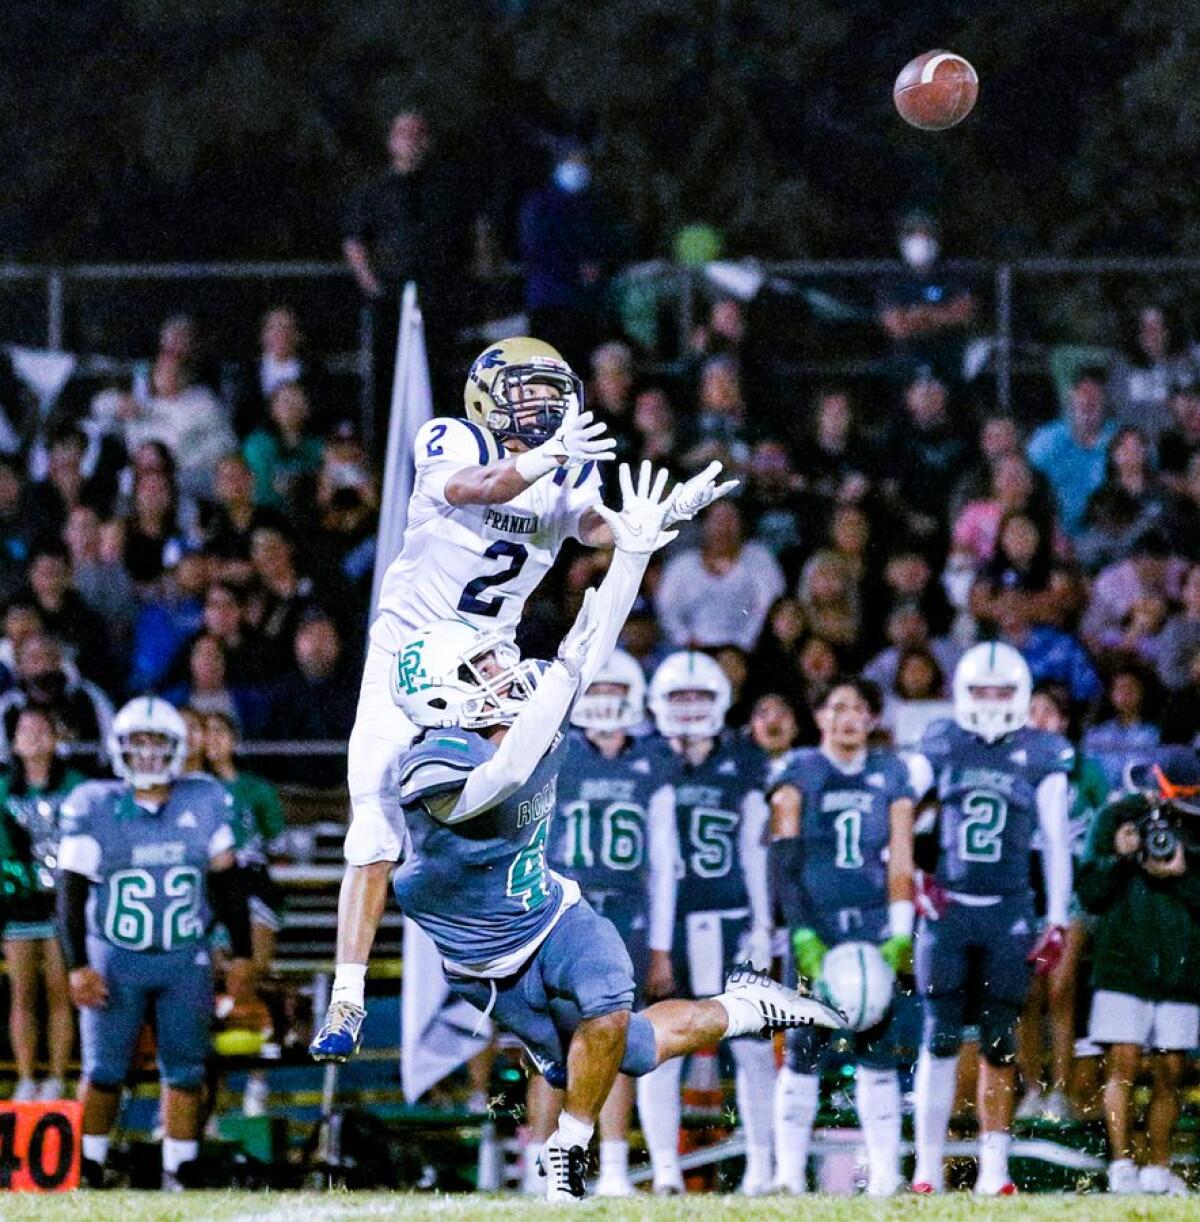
column 614, row 1186
column 669, row 1187
column 1123, row 1177
column 1161, row 1181
column 25, row 1091
column 754, row 1188
column 565, row 1170
column 781, row 1008
column 884, row 1185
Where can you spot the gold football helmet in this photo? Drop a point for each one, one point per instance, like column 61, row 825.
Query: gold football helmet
column 495, row 392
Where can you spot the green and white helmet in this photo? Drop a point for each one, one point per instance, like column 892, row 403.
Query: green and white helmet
column 148, row 742
column 689, row 696
column 450, row 674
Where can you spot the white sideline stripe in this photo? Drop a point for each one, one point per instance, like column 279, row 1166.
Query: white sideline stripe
column 929, row 69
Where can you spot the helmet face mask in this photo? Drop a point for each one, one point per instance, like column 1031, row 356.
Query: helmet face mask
column 520, row 389
column 615, row 699
column 689, row 697
column 992, row 691
column 148, row 743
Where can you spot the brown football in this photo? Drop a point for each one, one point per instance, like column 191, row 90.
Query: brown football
column 936, row 90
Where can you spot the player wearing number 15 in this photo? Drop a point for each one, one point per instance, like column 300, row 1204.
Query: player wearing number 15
column 996, row 781
column 145, row 864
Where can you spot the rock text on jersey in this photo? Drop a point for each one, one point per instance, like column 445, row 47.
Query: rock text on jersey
column 511, row 522
column 607, row 790
column 173, row 853
column 987, row 778
column 698, row 795
column 540, row 806
column 847, row 799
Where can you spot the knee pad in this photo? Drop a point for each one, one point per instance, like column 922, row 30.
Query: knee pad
column 641, row 1048
column 998, row 1034
column 802, row 1049
column 942, row 1033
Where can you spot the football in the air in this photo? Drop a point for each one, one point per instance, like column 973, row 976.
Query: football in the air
column 936, row 90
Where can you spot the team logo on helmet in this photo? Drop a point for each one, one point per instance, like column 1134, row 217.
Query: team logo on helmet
column 409, row 670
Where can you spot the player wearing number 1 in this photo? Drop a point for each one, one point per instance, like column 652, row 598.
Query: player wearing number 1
column 997, row 781
column 495, row 497
column 145, row 863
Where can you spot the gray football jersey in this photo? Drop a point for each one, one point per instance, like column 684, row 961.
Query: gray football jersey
column 481, row 889
column 150, row 882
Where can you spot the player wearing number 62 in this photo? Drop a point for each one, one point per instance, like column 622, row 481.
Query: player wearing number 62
column 996, row 782
column 495, row 496
column 144, row 866
column 518, row 940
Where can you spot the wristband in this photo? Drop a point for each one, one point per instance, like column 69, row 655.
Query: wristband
column 535, row 463
column 901, row 915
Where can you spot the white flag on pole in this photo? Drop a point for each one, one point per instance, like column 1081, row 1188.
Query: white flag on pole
column 437, row 1034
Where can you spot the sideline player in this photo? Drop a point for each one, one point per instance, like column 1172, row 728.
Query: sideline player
column 842, row 836
column 722, row 912
column 518, row 941
column 625, row 866
column 997, row 782
column 144, row 863
column 495, row 496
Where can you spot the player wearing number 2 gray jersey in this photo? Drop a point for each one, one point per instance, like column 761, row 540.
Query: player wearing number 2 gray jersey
column 495, row 496
column 145, row 864
column 517, row 939
column 996, row 782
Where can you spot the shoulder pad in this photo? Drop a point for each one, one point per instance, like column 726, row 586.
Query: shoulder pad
column 85, row 801
column 199, row 788
column 794, row 768
column 440, row 762
column 938, row 736
column 455, row 438
column 1055, row 753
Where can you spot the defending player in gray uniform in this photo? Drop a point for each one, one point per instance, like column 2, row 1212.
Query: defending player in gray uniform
column 518, row 940
column 714, row 799
column 842, row 839
column 997, row 781
column 144, row 864
column 624, row 865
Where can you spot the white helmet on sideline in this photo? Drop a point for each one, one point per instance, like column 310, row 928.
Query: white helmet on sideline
column 689, row 696
column 858, row 982
column 614, row 710
column 999, row 668
column 143, row 764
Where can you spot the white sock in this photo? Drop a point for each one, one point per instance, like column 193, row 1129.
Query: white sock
column 531, row 1179
column 574, row 1132
column 349, row 984
column 95, row 1147
column 993, row 1161
column 754, row 1061
column 933, row 1098
column 614, row 1159
column 877, row 1098
column 797, row 1097
column 659, row 1113
column 744, row 1018
column 176, row 1152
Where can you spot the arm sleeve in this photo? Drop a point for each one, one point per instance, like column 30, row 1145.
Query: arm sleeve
column 613, row 600
column 71, row 898
column 786, row 865
column 664, row 867
column 81, row 855
column 752, row 843
column 230, row 903
column 1052, row 802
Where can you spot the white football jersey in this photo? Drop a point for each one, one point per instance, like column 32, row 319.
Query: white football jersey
column 475, row 562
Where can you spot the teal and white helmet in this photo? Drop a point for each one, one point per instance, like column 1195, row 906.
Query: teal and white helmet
column 689, row 696
column 622, row 705
column 148, row 742
column 992, row 690
column 450, row 674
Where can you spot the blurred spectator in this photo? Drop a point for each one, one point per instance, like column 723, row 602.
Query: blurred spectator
column 1012, row 488
column 734, row 662
column 642, row 635
column 819, row 667
column 773, row 728
column 282, row 594
column 1023, row 572
column 167, row 621
column 1180, row 636
column 411, row 224
column 100, row 576
column 908, row 629
column 281, row 360
column 719, row 592
column 926, row 312
column 721, row 426
column 830, row 601
column 1072, row 453
column 610, row 395
column 342, row 552
column 14, row 529
column 654, row 422
column 235, row 517
column 916, row 696
column 345, row 465
column 1149, row 572
column 773, row 505
column 211, row 688
column 1181, row 714
column 22, row 619
column 81, row 712
column 154, row 537
column 837, row 460
column 1054, row 656
column 1124, row 722
column 1183, row 513
column 182, row 345
column 926, row 454
column 1179, row 444
column 775, row 664
column 67, row 617
column 909, row 581
column 1141, row 380
column 246, row 658
column 284, row 453
column 998, row 437
column 722, row 333
column 1130, row 502
column 194, row 760
column 565, row 241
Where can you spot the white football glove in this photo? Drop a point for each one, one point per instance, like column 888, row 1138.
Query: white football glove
column 639, row 525
column 573, row 650
column 697, row 493
column 580, row 438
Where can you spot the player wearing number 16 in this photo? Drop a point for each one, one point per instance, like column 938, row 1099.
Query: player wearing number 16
column 145, row 864
column 997, row 782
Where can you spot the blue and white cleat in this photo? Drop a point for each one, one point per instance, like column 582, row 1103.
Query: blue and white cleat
column 340, row 1033
column 781, row 1008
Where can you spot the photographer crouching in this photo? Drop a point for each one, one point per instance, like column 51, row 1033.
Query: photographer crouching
column 1139, row 876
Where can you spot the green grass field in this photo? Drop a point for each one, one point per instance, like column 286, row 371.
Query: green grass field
column 335, row 1206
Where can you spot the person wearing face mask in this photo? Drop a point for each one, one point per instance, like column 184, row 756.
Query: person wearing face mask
column 925, row 311
column 565, row 242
